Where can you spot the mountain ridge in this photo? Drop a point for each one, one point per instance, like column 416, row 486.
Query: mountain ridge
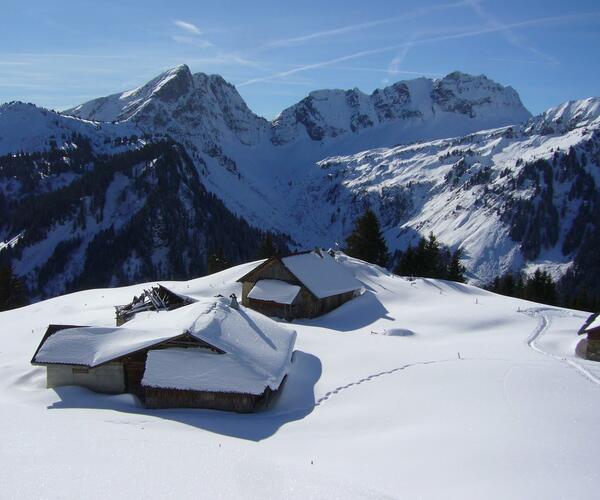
column 423, row 153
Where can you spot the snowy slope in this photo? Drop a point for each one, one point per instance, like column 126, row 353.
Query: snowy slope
column 28, row 128
column 426, row 154
column 487, row 395
column 471, row 191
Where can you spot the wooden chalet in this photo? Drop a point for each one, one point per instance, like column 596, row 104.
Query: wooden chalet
column 205, row 355
column 302, row 285
column 591, row 328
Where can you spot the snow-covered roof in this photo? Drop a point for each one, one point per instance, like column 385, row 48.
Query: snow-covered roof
column 255, row 347
column 594, row 324
column 92, row 346
column 202, row 370
column 275, row 291
column 258, row 352
column 321, row 274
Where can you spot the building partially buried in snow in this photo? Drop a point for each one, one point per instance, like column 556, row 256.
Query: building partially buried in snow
column 591, row 328
column 303, row 285
column 203, row 355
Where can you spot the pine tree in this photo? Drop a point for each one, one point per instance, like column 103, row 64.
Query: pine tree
column 366, row 241
column 12, row 289
column 217, row 262
column 431, row 259
column 267, row 247
column 540, row 287
column 456, row 271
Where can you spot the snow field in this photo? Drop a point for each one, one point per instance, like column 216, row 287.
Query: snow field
column 362, row 415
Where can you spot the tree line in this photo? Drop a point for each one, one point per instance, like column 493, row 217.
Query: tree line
column 427, row 259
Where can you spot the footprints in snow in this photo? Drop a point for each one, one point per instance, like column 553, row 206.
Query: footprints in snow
column 337, row 390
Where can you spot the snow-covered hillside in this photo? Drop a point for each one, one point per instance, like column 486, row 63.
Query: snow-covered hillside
column 474, row 192
column 456, row 156
column 410, row 381
column 27, row 128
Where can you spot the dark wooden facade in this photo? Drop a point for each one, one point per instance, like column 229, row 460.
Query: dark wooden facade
column 592, row 340
column 593, row 344
column 305, row 305
column 159, row 398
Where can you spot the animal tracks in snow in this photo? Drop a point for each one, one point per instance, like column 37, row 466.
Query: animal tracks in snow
column 368, row 378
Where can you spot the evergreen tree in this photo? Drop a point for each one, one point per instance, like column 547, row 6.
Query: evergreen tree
column 456, row 271
column 217, row 262
column 430, row 259
column 267, row 247
column 539, row 287
column 366, row 241
column 12, row 289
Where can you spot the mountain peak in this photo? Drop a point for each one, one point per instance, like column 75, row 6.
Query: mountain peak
column 456, row 104
column 567, row 116
column 172, row 84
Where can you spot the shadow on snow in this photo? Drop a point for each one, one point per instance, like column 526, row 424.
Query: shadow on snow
column 296, row 401
column 353, row 315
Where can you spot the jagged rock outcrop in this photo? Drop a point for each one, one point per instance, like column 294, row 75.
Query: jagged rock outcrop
column 459, row 156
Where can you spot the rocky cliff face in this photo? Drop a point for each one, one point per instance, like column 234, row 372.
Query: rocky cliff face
column 428, row 108
column 182, row 104
column 207, row 106
column 459, row 156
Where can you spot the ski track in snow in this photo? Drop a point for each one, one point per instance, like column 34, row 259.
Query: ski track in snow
column 540, row 329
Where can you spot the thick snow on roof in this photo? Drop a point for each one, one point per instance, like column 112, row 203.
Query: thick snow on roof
column 321, row 274
column 593, row 324
column 200, row 370
column 258, row 351
column 259, row 347
column 275, row 291
column 92, row 346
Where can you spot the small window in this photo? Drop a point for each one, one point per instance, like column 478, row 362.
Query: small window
column 80, row 370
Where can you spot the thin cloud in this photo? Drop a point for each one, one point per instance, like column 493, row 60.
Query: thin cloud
column 187, row 26
column 193, row 41
column 228, row 59
column 46, row 55
column 14, row 63
column 386, row 70
column 516, row 60
column 465, row 34
column 361, row 26
column 396, row 62
column 513, row 39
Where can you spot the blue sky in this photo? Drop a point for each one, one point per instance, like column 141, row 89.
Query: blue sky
column 60, row 53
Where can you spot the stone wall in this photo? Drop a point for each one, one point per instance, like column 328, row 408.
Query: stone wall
column 108, row 378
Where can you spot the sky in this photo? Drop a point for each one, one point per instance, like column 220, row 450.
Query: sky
column 60, row 53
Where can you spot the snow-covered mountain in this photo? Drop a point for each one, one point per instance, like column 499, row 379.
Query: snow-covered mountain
column 204, row 108
column 459, row 156
column 509, row 198
column 406, row 111
column 25, row 127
